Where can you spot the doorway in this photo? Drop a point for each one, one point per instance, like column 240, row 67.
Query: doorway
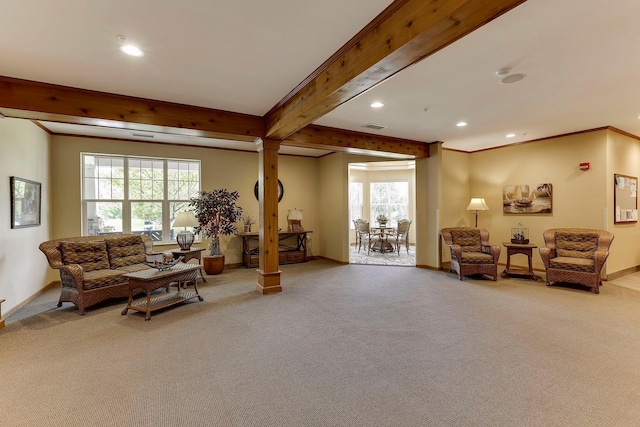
column 375, row 189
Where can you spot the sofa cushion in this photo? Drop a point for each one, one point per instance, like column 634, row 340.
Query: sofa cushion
column 468, row 239
column 101, row 278
column 92, row 255
column 126, row 250
column 576, row 245
column 573, row 264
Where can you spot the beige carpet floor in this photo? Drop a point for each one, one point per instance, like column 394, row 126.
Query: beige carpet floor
column 342, row 345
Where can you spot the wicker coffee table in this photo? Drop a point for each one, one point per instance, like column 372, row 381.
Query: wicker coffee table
column 152, row 279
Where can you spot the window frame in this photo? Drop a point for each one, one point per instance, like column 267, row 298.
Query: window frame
column 126, row 202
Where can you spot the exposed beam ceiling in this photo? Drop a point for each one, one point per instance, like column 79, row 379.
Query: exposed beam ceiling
column 403, row 34
column 41, row 101
column 406, row 32
column 314, row 136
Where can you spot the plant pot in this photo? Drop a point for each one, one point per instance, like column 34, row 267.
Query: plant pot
column 247, row 228
column 213, row 264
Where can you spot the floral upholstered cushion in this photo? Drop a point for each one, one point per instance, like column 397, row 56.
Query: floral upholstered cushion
column 126, row 250
column 576, row 245
column 91, row 255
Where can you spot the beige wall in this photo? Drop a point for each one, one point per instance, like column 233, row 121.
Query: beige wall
column 579, row 198
column 623, row 157
column 23, row 268
column 233, row 170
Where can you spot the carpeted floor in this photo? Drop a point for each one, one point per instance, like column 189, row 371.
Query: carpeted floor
column 342, row 345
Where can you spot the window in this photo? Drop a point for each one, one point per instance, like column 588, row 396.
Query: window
column 355, row 202
column 139, row 195
column 391, row 199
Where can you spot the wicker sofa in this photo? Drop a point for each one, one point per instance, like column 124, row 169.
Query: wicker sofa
column 575, row 255
column 92, row 267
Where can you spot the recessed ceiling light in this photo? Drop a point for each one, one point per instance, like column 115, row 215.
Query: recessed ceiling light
column 461, row 124
column 132, row 50
column 377, row 104
column 129, row 48
column 510, row 135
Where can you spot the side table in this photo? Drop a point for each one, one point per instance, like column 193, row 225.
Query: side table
column 524, row 249
column 192, row 253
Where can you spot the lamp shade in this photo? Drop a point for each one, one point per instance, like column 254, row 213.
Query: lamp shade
column 477, row 204
column 185, row 219
column 295, row 214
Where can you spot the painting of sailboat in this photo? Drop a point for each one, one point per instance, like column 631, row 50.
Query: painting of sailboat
column 527, row 199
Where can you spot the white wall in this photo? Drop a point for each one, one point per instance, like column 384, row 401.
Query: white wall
column 23, row 268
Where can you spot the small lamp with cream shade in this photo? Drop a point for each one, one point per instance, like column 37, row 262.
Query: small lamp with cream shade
column 185, row 238
column 295, row 218
column 477, row 204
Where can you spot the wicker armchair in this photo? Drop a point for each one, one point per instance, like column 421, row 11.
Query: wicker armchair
column 575, row 255
column 471, row 252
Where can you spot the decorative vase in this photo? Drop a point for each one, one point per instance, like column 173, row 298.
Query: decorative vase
column 247, row 228
column 213, row 264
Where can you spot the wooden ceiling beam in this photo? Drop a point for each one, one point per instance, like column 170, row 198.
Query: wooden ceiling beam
column 43, row 101
column 323, row 137
column 403, row 34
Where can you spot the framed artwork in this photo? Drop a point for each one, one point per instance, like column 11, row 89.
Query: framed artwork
column 25, row 202
column 527, row 199
column 625, row 199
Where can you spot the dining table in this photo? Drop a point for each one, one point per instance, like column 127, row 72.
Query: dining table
column 381, row 244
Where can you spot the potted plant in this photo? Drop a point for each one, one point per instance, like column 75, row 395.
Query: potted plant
column 217, row 214
column 382, row 220
column 248, row 221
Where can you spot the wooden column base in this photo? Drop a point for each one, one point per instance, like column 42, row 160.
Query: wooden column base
column 268, row 283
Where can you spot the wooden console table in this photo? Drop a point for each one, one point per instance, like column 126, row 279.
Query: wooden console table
column 292, row 247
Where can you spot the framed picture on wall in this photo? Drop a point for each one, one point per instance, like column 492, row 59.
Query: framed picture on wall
column 527, row 199
column 25, row 202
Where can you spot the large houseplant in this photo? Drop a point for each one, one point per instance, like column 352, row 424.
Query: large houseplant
column 217, row 214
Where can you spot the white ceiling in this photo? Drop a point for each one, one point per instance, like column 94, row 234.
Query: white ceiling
column 578, row 56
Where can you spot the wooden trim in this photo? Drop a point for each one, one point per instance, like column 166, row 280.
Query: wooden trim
column 321, row 137
column 543, row 139
column 42, row 101
column 31, row 298
column 622, row 273
column 621, row 132
column 405, row 33
column 428, row 267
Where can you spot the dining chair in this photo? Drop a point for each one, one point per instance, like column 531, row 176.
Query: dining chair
column 364, row 234
column 400, row 236
column 355, row 227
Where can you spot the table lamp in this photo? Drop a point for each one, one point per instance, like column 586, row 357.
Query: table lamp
column 295, row 218
column 477, row 204
column 185, row 238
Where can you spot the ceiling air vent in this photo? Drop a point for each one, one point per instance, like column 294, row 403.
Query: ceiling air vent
column 374, row 126
column 142, row 135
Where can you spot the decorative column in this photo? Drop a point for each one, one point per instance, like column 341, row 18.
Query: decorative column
column 268, row 270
